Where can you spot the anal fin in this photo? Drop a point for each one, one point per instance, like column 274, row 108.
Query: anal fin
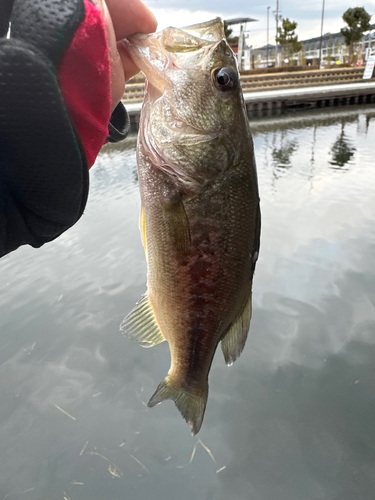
column 234, row 341
column 141, row 325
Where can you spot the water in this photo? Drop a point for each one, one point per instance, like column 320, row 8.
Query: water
column 292, row 419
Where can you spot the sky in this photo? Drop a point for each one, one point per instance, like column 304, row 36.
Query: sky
column 307, row 14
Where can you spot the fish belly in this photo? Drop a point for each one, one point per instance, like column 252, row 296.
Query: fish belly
column 198, row 285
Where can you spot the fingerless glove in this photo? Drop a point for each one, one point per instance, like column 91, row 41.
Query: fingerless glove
column 54, row 115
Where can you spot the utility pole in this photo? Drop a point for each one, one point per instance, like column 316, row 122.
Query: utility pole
column 277, row 28
column 240, row 48
column 321, row 38
column 268, row 26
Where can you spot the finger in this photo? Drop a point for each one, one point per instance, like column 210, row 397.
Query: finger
column 123, row 18
column 131, row 16
column 117, row 71
column 129, row 68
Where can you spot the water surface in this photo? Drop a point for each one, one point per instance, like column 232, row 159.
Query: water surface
column 293, row 419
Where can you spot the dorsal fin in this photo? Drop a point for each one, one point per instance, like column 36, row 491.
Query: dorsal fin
column 234, row 341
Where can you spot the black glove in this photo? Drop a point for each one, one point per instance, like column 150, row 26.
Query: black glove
column 44, row 178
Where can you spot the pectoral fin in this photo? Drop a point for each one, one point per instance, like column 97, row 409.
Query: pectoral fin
column 234, row 341
column 141, row 325
column 177, row 225
column 142, row 228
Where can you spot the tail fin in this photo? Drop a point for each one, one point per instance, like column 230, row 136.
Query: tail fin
column 191, row 402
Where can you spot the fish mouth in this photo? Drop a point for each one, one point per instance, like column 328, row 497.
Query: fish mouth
column 173, row 49
column 148, row 54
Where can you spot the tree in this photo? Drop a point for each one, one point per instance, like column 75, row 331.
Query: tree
column 228, row 31
column 288, row 39
column 358, row 21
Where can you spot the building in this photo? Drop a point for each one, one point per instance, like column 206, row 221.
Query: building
column 334, row 51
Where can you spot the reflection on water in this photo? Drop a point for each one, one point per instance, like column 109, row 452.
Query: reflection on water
column 342, row 150
column 282, row 151
column 292, row 419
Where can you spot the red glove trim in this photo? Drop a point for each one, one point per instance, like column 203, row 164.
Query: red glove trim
column 85, row 82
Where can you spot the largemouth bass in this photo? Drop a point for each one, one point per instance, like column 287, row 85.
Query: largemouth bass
column 200, row 217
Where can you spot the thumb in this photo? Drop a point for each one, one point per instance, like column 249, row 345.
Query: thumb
column 117, row 71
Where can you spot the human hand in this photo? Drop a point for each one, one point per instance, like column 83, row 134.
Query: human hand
column 62, row 72
column 123, row 18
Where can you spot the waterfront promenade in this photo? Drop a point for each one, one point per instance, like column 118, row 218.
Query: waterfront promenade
column 287, row 90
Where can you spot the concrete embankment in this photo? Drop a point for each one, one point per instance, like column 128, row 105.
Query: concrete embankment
column 286, row 90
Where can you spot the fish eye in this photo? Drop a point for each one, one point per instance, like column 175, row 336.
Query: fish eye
column 225, row 79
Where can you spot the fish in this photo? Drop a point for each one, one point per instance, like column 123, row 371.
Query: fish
column 200, row 210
